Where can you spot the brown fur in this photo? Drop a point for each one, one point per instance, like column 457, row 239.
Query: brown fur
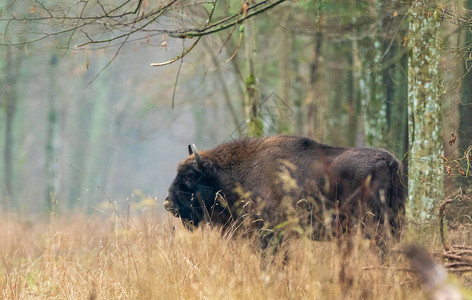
column 285, row 181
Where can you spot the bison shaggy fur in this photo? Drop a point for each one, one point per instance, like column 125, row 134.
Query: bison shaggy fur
column 290, row 183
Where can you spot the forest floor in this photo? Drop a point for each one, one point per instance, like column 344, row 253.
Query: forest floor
column 149, row 256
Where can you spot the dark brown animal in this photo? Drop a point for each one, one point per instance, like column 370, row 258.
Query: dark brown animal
column 289, row 182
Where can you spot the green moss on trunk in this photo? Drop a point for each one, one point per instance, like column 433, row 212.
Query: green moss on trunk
column 425, row 171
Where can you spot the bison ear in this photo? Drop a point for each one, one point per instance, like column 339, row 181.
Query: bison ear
column 192, row 149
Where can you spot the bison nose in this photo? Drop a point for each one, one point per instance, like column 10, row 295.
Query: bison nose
column 167, row 204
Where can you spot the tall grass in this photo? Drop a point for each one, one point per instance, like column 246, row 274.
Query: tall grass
column 145, row 257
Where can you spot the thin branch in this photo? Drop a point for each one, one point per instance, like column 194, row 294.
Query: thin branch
column 177, row 79
column 457, row 264
column 462, row 247
column 206, row 31
column 226, row 93
column 161, row 12
column 75, row 30
column 110, row 61
column 185, row 52
column 387, row 268
column 462, row 270
column 237, row 15
column 154, row 15
column 457, row 258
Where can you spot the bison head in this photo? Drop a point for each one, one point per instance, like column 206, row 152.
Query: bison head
column 193, row 193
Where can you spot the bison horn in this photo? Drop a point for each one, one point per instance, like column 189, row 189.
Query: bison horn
column 192, row 149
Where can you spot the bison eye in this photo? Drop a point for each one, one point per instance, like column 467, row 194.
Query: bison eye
column 189, row 180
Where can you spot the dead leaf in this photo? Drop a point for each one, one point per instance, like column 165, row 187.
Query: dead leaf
column 164, row 45
column 448, row 170
column 245, row 8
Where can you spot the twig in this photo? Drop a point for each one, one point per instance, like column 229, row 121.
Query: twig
column 462, row 247
column 206, row 31
column 178, row 75
column 457, row 258
column 370, row 268
column 457, row 264
column 464, row 270
column 463, row 252
column 184, row 52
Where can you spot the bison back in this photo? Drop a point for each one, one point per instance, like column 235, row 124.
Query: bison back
column 371, row 179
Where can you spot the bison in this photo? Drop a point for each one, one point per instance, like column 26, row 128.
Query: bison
column 280, row 182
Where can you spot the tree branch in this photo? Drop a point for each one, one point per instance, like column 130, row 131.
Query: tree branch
column 206, row 30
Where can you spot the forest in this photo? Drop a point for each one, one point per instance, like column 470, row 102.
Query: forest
column 99, row 100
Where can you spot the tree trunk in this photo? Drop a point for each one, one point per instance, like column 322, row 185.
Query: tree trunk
column 252, row 103
column 316, row 101
column 10, row 104
column 465, row 109
column 398, row 124
column 285, row 50
column 99, row 141
column 375, row 103
column 52, row 140
column 425, row 170
column 361, row 92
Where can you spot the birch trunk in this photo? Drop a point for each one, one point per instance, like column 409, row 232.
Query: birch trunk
column 425, row 170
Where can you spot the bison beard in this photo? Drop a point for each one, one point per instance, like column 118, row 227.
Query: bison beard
column 289, row 184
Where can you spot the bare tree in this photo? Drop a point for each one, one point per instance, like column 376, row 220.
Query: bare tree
column 96, row 24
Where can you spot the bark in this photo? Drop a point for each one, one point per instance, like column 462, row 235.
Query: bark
column 85, row 107
column 425, row 171
column 398, row 122
column 252, row 103
column 316, row 106
column 285, row 49
column 12, row 65
column 361, row 92
column 52, row 140
column 298, row 91
column 375, row 99
column 99, row 139
column 465, row 109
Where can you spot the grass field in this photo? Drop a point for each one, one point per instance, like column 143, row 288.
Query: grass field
column 148, row 257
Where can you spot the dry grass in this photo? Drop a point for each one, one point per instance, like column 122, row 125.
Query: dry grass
column 146, row 258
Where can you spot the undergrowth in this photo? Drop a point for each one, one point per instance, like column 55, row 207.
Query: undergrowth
column 147, row 257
